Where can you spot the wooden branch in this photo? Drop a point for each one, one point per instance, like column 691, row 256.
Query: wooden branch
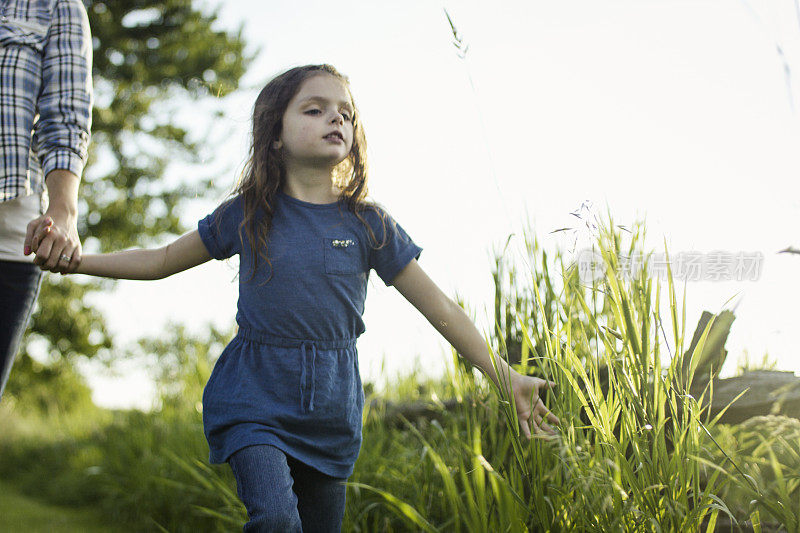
column 713, row 354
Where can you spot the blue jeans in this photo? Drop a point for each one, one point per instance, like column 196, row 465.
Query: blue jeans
column 19, row 287
column 282, row 494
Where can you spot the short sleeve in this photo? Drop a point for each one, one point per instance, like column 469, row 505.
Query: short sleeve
column 219, row 231
column 388, row 260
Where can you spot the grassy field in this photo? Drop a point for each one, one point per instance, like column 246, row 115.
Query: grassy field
column 457, row 473
column 24, row 514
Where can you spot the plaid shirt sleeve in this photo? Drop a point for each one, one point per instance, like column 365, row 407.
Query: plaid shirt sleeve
column 61, row 135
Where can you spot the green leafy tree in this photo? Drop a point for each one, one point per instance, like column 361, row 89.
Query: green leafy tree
column 181, row 364
column 151, row 58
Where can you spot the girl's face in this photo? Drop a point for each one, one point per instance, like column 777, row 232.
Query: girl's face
column 318, row 124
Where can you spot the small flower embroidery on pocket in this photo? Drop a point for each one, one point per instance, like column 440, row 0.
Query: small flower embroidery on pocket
column 343, row 255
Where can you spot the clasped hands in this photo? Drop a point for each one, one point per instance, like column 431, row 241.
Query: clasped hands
column 53, row 237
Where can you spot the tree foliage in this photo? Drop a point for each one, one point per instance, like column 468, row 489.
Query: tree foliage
column 182, row 363
column 148, row 56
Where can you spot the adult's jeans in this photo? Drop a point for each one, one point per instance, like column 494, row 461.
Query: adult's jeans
column 19, row 287
column 282, row 494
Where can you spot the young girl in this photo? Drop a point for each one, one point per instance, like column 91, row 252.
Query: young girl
column 283, row 405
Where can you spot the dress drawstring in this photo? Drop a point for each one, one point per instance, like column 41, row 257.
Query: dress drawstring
column 308, row 355
column 303, row 375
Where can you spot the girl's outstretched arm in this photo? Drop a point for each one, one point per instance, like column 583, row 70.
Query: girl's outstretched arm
column 455, row 326
column 184, row 253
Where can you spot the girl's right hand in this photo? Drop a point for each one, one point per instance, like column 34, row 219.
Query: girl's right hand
column 531, row 411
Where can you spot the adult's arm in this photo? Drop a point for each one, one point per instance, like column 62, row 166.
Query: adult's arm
column 61, row 134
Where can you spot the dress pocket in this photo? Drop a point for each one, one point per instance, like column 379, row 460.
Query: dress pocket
column 342, row 254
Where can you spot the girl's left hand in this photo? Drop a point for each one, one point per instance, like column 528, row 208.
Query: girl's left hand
column 531, row 411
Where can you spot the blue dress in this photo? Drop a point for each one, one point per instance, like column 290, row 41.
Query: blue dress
column 290, row 376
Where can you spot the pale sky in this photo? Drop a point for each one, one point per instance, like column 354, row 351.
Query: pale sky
column 677, row 111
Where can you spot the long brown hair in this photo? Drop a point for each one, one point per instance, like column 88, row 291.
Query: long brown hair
column 264, row 173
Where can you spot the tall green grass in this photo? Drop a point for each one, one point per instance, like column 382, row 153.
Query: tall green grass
column 632, row 452
column 138, row 470
column 766, row 449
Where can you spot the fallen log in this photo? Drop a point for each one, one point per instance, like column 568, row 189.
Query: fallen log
column 766, row 392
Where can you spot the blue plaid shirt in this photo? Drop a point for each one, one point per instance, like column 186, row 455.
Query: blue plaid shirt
column 45, row 92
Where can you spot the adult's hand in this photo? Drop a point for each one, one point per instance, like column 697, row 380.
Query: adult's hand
column 53, row 236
